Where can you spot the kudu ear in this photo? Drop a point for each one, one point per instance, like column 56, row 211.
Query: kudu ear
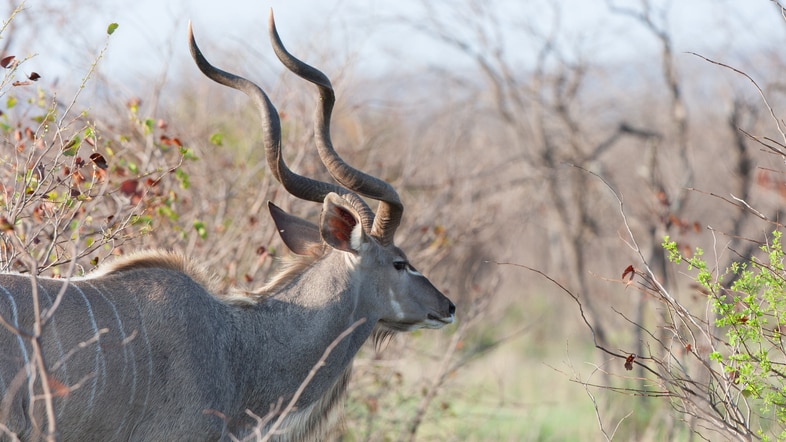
column 298, row 234
column 340, row 225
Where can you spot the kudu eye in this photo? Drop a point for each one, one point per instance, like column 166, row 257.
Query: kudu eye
column 400, row 265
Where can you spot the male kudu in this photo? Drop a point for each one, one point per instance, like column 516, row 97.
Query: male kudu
column 149, row 351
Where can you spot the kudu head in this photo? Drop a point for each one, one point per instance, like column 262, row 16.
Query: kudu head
column 403, row 298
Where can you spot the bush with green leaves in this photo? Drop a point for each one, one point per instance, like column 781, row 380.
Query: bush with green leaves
column 69, row 190
column 750, row 319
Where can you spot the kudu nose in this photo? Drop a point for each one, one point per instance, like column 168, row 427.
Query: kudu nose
column 452, row 309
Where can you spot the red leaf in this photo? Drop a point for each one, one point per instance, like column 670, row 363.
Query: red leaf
column 733, row 375
column 673, row 220
column 57, row 388
column 134, row 102
column 662, row 198
column 166, row 141
column 34, row 76
column 6, row 225
column 629, row 270
column 7, row 61
column 99, row 160
column 128, row 187
column 99, row 174
column 77, row 178
column 372, row 404
column 21, row 83
column 38, row 213
column 629, row 362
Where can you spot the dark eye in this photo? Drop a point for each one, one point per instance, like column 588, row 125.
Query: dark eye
column 400, row 265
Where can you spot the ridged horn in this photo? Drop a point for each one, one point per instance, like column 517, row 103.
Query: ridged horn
column 297, row 185
column 390, row 208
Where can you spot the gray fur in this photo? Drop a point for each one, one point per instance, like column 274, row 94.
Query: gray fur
column 166, row 359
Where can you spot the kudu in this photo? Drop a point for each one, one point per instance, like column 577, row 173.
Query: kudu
column 144, row 348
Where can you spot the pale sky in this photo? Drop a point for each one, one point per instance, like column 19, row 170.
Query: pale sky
column 152, row 33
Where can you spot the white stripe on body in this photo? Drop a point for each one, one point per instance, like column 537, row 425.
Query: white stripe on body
column 100, row 363
column 126, row 359
column 149, row 356
column 51, row 325
column 19, row 340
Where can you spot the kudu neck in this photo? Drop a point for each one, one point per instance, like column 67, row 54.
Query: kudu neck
column 295, row 326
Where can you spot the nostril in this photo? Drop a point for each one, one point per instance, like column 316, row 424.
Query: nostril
column 452, row 308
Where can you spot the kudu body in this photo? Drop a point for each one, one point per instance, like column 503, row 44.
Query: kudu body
column 145, row 349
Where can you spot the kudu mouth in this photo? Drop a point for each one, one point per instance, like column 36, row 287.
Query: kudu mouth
column 444, row 321
column 432, row 321
column 435, row 321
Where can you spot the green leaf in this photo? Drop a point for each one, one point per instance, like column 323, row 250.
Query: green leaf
column 149, row 126
column 183, row 178
column 217, row 139
column 72, row 147
column 168, row 212
column 201, row 229
column 188, row 154
column 42, row 101
column 111, row 28
column 141, row 219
